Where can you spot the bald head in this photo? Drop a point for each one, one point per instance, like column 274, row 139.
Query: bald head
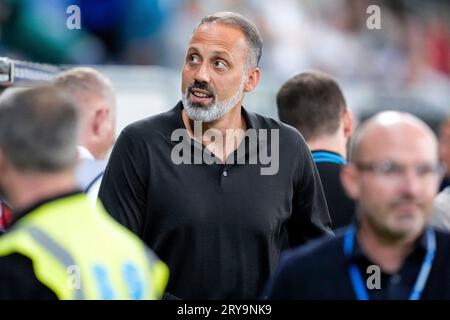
column 393, row 175
column 391, row 127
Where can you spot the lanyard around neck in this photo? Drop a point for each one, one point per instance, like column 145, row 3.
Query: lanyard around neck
column 357, row 279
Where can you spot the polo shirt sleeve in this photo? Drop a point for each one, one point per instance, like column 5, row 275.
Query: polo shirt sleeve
column 310, row 218
column 124, row 186
column 289, row 279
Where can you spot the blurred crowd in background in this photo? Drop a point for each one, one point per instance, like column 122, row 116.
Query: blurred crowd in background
column 413, row 44
column 404, row 65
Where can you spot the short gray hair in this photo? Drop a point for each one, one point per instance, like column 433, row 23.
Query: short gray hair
column 86, row 82
column 249, row 30
column 39, row 130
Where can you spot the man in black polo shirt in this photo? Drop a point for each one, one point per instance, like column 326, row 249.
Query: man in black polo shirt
column 391, row 253
column 313, row 103
column 215, row 190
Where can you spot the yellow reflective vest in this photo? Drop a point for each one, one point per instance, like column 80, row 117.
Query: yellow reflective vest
column 80, row 252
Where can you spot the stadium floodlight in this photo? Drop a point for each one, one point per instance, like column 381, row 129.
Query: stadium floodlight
column 25, row 73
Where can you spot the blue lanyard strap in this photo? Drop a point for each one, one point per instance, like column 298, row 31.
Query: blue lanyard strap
column 357, row 279
column 324, row 156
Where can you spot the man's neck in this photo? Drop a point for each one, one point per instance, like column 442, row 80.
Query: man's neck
column 389, row 254
column 230, row 126
column 31, row 188
column 90, row 151
column 335, row 143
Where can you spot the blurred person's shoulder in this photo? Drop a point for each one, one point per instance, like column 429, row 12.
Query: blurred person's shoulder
column 311, row 271
column 316, row 255
column 441, row 264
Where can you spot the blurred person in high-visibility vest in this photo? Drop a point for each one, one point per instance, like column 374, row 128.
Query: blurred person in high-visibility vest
column 59, row 245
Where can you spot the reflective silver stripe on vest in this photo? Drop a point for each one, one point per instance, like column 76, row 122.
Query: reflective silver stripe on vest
column 151, row 257
column 152, row 260
column 58, row 252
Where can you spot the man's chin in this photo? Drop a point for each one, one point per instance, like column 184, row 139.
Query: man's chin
column 406, row 229
column 197, row 105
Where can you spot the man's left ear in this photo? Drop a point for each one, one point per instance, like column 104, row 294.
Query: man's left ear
column 100, row 120
column 349, row 180
column 253, row 79
column 348, row 123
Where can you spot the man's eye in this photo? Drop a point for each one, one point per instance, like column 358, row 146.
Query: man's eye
column 394, row 169
column 193, row 58
column 426, row 169
column 220, row 64
column 390, row 168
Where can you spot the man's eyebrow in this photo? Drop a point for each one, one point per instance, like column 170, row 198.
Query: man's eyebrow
column 221, row 53
column 215, row 52
column 192, row 49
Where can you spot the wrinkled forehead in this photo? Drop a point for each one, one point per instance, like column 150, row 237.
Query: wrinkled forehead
column 221, row 35
column 402, row 143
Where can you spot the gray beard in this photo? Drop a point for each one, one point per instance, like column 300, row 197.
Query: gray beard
column 216, row 110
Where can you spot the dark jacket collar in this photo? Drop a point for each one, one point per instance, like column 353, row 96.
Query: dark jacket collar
column 420, row 248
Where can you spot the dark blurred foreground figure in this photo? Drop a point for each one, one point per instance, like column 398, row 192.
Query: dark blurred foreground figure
column 59, row 244
column 221, row 220
column 390, row 253
column 313, row 103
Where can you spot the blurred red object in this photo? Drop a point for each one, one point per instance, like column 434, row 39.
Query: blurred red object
column 5, row 216
column 439, row 47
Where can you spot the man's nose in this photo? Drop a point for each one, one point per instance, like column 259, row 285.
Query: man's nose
column 202, row 73
column 411, row 182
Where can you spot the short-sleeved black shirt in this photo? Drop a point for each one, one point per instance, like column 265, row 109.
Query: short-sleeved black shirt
column 220, row 228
